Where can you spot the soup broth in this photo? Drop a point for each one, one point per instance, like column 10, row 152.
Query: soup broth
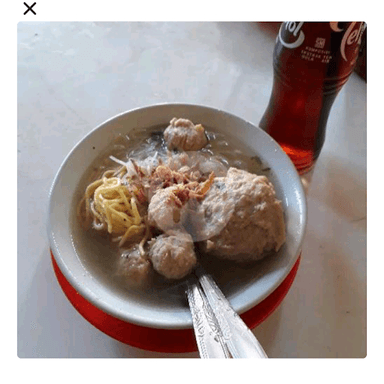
column 102, row 258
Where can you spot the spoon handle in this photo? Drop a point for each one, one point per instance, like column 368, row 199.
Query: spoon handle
column 239, row 339
column 209, row 339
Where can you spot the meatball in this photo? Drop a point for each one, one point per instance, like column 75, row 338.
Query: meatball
column 135, row 267
column 173, row 256
column 163, row 211
column 243, row 220
column 184, row 135
column 201, row 163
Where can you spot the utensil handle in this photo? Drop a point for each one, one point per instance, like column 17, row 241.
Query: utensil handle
column 209, row 338
column 240, row 340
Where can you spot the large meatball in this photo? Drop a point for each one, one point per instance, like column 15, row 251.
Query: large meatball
column 184, row 135
column 242, row 217
column 173, row 256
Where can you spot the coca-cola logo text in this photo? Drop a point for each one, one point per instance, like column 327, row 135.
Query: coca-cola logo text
column 292, row 36
column 351, row 36
column 293, row 28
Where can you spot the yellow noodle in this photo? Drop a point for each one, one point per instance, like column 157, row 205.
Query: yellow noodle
column 123, row 196
column 92, row 187
column 144, row 239
column 120, row 172
column 133, row 230
column 108, row 218
column 95, row 213
column 136, row 213
column 88, row 192
column 113, row 206
column 108, row 174
column 118, row 206
column 122, row 215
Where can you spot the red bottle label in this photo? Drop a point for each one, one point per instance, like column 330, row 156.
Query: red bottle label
column 320, row 45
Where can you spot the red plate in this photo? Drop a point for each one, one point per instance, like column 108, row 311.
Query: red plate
column 163, row 340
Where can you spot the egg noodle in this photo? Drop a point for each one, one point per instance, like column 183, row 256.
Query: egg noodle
column 113, row 207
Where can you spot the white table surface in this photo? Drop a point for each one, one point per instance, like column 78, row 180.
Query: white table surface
column 73, row 76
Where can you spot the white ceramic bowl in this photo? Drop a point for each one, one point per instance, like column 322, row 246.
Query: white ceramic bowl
column 172, row 312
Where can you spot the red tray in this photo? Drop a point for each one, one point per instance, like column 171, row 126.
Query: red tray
column 163, row 340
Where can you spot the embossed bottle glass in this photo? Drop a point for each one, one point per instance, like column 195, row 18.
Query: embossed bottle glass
column 311, row 62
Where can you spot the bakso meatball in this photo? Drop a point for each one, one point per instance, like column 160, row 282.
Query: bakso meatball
column 135, row 267
column 173, row 256
column 165, row 211
column 184, row 135
column 201, row 163
column 244, row 205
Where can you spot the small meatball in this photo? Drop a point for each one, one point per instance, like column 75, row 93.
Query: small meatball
column 173, row 256
column 208, row 165
column 135, row 267
column 201, row 163
column 175, row 161
column 184, row 135
column 165, row 212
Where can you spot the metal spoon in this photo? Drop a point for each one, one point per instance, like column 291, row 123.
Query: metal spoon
column 220, row 332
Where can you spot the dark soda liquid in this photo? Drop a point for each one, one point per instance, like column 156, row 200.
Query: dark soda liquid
column 296, row 118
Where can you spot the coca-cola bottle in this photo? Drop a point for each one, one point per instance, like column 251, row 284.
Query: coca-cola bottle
column 311, row 62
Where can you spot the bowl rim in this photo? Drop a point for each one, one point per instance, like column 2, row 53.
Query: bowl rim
column 104, row 306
